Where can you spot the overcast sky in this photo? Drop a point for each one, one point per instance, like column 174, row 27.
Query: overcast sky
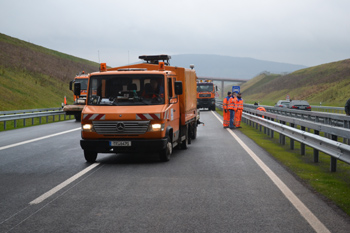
column 304, row 32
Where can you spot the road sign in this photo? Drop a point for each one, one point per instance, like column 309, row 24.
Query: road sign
column 236, row 89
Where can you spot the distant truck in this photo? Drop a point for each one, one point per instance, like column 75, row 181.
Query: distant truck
column 206, row 94
column 79, row 100
column 147, row 107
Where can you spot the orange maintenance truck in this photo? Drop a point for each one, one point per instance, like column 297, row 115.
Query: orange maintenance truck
column 79, row 100
column 206, row 94
column 150, row 106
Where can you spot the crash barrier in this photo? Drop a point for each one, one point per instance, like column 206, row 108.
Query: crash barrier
column 333, row 119
column 16, row 115
column 332, row 125
column 330, row 146
column 339, row 110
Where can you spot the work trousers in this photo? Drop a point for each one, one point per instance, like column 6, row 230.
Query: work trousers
column 232, row 119
column 238, row 117
column 226, row 118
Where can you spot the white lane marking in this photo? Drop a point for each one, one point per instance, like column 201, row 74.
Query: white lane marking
column 316, row 224
column 63, row 184
column 37, row 139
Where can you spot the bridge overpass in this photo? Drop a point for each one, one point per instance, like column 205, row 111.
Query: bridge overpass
column 224, row 84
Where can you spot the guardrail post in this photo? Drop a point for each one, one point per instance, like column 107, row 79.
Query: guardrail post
column 24, row 122
column 272, row 132
column 282, row 137
column 302, row 145
column 316, row 152
column 334, row 160
column 292, row 140
column 33, row 121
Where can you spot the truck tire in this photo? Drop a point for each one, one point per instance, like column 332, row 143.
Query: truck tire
column 194, row 131
column 213, row 107
column 77, row 116
column 184, row 143
column 90, row 156
column 164, row 154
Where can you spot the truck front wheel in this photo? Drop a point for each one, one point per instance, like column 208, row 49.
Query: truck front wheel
column 164, row 154
column 90, row 156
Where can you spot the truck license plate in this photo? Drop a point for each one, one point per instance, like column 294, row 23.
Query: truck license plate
column 120, row 143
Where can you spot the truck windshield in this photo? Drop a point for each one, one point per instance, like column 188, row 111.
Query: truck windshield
column 83, row 83
column 126, row 90
column 205, row 87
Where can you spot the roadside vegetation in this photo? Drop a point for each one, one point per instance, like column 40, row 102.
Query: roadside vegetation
column 32, row 76
column 327, row 84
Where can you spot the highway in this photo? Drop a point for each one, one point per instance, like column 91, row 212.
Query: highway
column 223, row 182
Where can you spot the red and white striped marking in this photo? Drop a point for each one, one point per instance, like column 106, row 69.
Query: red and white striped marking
column 146, row 116
column 94, row 117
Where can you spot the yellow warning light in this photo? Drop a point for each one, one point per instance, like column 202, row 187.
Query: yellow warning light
column 161, row 65
column 103, row 67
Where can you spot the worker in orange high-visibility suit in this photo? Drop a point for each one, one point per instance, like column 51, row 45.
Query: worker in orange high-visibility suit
column 232, row 105
column 238, row 115
column 226, row 112
column 261, row 109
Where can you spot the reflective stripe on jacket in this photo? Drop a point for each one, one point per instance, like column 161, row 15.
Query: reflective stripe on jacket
column 239, row 104
column 225, row 102
column 232, row 105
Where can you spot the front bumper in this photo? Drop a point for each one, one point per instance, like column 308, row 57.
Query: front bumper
column 137, row 145
column 205, row 103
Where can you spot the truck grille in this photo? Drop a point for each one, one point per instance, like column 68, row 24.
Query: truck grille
column 121, row 127
column 204, row 95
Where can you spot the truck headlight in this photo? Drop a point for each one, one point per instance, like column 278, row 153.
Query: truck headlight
column 88, row 128
column 156, row 127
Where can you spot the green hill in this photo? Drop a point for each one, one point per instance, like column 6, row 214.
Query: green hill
column 327, row 83
column 32, row 76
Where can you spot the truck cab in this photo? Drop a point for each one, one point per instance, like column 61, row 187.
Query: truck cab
column 79, row 98
column 206, row 94
column 138, row 108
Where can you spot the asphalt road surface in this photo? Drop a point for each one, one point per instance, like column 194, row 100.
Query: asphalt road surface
column 222, row 183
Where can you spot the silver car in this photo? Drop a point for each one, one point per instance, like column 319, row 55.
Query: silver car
column 282, row 104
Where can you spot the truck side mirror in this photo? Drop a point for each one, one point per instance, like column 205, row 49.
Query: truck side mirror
column 77, row 89
column 71, row 85
column 178, row 88
column 216, row 88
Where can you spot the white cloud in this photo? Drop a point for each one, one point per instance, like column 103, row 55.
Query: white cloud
column 306, row 32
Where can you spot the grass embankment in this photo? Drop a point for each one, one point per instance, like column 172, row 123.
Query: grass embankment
column 335, row 186
column 33, row 77
column 327, row 84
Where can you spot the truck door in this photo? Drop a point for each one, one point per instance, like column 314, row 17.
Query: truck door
column 174, row 109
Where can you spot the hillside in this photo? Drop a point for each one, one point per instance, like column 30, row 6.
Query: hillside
column 230, row 67
column 327, row 83
column 32, row 76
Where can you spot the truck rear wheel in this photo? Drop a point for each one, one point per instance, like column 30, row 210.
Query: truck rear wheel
column 90, row 156
column 194, row 131
column 164, row 154
column 77, row 116
column 184, row 143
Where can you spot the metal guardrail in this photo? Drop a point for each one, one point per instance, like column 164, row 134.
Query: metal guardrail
column 340, row 120
column 337, row 150
column 318, row 121
column 340, row 110
column 16, row 115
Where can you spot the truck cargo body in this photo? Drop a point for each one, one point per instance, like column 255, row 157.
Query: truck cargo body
column 139, row 108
